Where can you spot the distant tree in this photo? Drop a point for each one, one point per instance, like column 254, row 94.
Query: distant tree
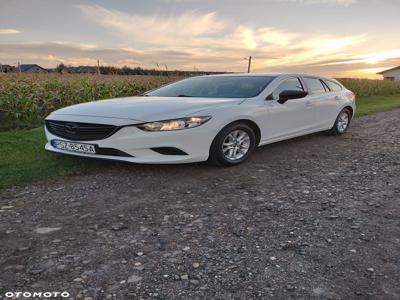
column 108, row 70
column 60, row 67
column 125, row 70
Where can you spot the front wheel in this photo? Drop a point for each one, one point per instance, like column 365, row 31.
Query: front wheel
column 342, row 122
column 232, row 145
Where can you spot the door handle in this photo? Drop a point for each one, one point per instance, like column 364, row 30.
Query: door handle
column 337, row 98
column 308, row 104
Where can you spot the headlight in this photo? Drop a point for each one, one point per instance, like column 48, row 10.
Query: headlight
column 176, row 124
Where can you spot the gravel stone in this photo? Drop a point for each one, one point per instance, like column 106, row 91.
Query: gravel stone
column 5, row 207
column 118, row 227
column 61, row 267
column 314, row 217
column 46, row 230
column 134, row 279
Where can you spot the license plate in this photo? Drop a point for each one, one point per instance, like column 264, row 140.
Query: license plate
column 74, row 147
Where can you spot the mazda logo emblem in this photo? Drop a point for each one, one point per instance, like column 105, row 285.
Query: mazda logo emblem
column 71, row 127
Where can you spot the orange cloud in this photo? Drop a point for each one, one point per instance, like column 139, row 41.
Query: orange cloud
column 9, row 31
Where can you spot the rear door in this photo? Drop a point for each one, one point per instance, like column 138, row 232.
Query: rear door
column 337, row 96
column 323, row 100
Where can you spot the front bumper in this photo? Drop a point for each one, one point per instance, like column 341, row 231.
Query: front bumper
column 195, row 142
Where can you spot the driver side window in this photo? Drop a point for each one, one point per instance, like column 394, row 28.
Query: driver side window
column 292, row 84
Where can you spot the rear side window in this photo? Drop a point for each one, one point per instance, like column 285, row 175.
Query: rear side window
column 333, row 86
column 291, row 84
column 314, row 85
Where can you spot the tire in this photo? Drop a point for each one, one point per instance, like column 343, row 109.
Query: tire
column 342, row 122
column 232, row 145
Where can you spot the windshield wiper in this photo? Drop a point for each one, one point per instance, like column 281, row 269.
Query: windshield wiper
column 183, row 96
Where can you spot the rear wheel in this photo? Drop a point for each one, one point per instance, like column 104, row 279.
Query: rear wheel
column 232, row 145
column 342, row 122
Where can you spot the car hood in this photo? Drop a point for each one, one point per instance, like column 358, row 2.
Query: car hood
column 144, row 109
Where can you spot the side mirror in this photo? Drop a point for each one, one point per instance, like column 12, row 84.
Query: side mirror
column 291, row 94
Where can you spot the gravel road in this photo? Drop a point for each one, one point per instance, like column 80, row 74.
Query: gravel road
column 316, row 217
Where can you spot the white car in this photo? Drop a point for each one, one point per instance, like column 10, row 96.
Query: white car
column 219, row 118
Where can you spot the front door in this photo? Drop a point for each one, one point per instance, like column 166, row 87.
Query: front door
column 294, row 117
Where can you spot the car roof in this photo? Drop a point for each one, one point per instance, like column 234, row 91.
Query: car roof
column 267, row 74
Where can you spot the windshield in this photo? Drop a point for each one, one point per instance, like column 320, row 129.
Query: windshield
column 215, row 87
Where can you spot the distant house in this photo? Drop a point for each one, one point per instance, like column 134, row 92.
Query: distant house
column 31, row 68
column 6, row 68
column 391, row 74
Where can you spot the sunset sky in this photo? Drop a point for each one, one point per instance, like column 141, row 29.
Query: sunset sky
column 341, row 38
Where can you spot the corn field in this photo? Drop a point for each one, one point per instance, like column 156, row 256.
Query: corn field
column 25, row 99
column 367, row 87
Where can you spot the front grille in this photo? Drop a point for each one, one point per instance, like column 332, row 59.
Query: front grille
column 80, row 131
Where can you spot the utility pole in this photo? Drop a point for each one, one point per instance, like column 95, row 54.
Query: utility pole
column 19, row 67
column 166, row 69
column 98, row 67
column 249, row 65
column 1, row 67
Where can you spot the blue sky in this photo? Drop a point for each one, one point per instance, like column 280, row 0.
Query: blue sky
column 330, row 37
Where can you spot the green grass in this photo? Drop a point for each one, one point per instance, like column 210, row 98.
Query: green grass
column 369, row 105
column 24, row 160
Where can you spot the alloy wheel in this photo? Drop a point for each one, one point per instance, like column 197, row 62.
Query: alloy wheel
column 343, row 122
column 236, row 144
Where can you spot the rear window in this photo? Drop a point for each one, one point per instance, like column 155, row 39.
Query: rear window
column 314, row 85
column 333, row 86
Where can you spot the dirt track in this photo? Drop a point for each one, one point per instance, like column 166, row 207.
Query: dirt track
column 313, row 217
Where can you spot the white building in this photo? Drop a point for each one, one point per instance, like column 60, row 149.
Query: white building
column 391, row 74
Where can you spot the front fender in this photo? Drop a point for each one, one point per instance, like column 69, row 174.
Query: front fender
column 222, row 116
